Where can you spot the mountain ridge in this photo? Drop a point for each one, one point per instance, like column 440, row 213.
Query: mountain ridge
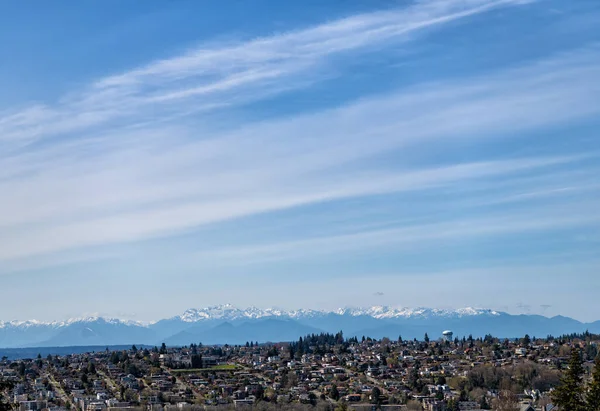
column 272, row 324
column 230, row 312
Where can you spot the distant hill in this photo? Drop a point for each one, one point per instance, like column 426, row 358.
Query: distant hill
column 228, row 324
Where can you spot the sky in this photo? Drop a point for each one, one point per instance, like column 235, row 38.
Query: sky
column 157, row 156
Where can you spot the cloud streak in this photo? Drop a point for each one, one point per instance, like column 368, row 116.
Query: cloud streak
column 216, row 76
column 122, row 160
column 157, row 182
column 408, row 237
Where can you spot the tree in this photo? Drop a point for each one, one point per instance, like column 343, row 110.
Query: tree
column 426, row 338
column 260, row 392
column 22, row 369
column 593, row 395
column 375, row 396
column 4, row 386
column 569, row 394
column 413, row 377
column 196, row 361
column 452, row 405
column 334, row 394
column 506, row 401
column 342, row 406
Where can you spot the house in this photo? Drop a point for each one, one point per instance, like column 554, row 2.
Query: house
column 32, row 405
column 96, row 406
column 526, row 407
column 521, row 352
column 353, row 397
column 209, row 361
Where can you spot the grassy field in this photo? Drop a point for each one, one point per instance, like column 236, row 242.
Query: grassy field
column 224, row 367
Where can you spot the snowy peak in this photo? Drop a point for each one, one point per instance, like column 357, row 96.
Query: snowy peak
column 65, row 323
column 229, row 312
column 382, row 312
column 226, row 323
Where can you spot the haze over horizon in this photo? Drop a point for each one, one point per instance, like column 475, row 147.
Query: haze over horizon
column 159, row 156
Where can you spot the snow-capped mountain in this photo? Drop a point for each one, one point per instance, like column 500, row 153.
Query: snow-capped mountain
column 381, row 312
column 60, row 324
column 229, row 312
column 229, row 324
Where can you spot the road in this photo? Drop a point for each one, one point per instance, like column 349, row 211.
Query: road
column 57, row 387
column 116, row 392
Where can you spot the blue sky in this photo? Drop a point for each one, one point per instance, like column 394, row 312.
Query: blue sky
column 157, row 156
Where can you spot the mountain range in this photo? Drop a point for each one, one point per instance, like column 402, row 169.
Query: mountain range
column 227, row 324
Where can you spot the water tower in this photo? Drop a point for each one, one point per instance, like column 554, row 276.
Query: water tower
column 447, row 335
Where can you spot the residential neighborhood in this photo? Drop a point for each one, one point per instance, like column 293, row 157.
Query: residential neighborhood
column 325, row 371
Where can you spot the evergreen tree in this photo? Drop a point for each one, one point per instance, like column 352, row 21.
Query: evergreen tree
column 334, row 394
column 483, row 404
column 593, row 396
column 569, row 394
column 196, row 361
column 376, row 396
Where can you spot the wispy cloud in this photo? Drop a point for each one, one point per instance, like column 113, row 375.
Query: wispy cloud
column 407, row 237
column 108, row 164
column 216, row 76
